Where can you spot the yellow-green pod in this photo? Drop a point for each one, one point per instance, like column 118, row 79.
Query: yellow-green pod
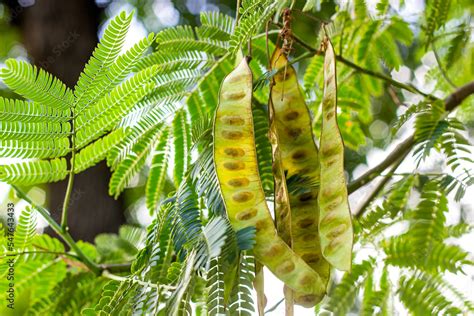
column 282, row 202
column 235, row 160
column 299, row 159
column 335, row 224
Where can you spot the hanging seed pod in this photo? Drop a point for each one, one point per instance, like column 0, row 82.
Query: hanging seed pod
column 282, row 201
column 299, row 160
column 335, row 225
column 235, row 159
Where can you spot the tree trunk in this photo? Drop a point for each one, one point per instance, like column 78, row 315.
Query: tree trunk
column 60, row 36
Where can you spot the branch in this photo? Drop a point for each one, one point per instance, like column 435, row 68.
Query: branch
column 340, row 58
column 401, row 151
column 456, row 98
column 395, row 83
column 450, row 103
column 59, row 230
column 375, row 192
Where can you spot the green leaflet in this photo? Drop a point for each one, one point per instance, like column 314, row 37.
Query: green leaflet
column 95, row 152
column 34, row 172
column 159, row 167
column 182, row 38
column 182, row 60
column 25, row 230
column 24, row 111
column 335, row 224
column 148, row 121
column 299, row 160
column 96, row 120
column 215, row 288
column 112, row 75
column 241, row 303
column 36, row 85
column 342, row 297
column 132, row 163
column 34, row 131
column 94, row 74
column 423, row 298
column 236, row 167
column 34, row 149
column 182, row 146
column 253, row 14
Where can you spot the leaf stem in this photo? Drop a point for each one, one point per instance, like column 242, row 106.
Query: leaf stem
column 237, row 13
column 70, row 182
column 440, row 66
column 119, row 278
column 64, row 234
column 67, row 196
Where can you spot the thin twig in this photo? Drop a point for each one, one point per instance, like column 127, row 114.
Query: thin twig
column 237, row 13
column 375, row 192
column 440, row 66
column 401, row 150
column 341, row 59
column 59, row 230
column 271, row 309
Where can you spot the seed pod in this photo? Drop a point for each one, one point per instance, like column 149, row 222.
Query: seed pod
column 235, row 159
column 282, row 201
column 299, row 158
column 335, row 225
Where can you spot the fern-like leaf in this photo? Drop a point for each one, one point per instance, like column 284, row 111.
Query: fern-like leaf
column 215, row 287
column 158, row 170
column 253, row 14
column 132, row 164
column 40, row 149
column 29, row 112
column 94, row 74
column 95, row 152
column 422, row 298
column 36, row 85
column 34, row 131
column 111, row 108
column 34, row 172
column 342, row 297
column 182, row 145
column 241, row 301
column 26, row 229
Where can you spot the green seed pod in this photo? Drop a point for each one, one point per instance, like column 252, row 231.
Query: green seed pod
column 299, row 156
column 335, row 224
column 235, row 159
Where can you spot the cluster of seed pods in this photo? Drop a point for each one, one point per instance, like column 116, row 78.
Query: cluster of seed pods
column 313, row 224
column 235, row 158
column 299, row 157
